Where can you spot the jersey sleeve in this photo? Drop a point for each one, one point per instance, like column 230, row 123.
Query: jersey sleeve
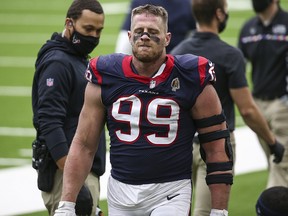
column 206, row 71
column 92, row 74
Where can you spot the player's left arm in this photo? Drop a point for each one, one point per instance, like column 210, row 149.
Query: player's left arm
column 216, row 149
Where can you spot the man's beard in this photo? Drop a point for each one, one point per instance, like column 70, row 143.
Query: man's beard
column 146, row 58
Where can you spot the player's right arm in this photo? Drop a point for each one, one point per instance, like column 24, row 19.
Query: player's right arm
column 83, row 147
column 214, row 135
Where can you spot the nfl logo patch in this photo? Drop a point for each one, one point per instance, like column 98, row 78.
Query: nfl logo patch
column 152, row 84
column 50, row 82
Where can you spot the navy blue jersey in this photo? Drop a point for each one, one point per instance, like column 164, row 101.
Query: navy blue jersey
column 148, row 119
column 180, row 23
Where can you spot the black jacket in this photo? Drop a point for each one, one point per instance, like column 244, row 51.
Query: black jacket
column 57, row 98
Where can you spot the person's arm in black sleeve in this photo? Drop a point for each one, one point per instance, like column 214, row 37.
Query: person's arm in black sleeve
column 53, row 90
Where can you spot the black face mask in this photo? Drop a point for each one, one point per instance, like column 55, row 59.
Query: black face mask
column 260, row 5
column 84, row 44
column 222, row 25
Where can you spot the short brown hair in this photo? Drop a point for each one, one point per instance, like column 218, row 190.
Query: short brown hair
column 152, row 9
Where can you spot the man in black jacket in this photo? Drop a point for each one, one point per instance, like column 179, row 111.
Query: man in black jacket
column 57, row 99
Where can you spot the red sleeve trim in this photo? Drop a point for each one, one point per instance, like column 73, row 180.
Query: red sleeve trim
column 93, row 63
column 202, row 62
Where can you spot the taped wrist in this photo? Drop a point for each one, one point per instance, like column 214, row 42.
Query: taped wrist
column 66, row 205
column 226, row 178
column 65, row 208
column 218, row 212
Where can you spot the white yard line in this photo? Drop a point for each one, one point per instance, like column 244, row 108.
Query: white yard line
column 15, row 91
column 17, row 131
column 14, row 161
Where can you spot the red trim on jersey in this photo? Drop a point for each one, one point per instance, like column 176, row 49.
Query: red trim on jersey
column 128, row 72
column 92, row 64
column 202, row 62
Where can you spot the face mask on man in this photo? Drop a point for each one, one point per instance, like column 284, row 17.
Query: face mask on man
column 222, row 25
column 84, row 44
column 260, row 5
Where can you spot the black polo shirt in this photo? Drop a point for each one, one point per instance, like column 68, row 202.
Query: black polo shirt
column 266, row 47
column 229, row 66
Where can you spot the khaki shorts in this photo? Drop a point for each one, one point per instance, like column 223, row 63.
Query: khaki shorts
column 52, row 199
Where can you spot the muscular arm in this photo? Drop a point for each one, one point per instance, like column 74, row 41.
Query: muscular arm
column 207, row 105
column 251, row 113
column 84, row 144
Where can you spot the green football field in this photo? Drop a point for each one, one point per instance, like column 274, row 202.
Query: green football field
column 24, row 26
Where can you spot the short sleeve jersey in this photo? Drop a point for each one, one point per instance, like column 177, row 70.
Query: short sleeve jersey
column 149, row 120
column 266, row 47
column 229, row 66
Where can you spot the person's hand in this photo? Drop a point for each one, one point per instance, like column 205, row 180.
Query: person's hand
column 99, row 212
column 277, row 150
column 84, row 202
column 218, row 212
column 65, row 208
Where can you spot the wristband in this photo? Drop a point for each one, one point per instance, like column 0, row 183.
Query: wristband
column 218, row 212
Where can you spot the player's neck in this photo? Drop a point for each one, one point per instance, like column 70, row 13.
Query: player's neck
column 148, row 69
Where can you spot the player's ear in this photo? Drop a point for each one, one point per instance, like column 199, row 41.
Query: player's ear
column 129, row 37
column 167, row 38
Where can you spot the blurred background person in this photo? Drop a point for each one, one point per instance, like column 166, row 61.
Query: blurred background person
column 273, row 202
column 181, row 23
column 57, row 99
column 263, row 40
column 231, row 85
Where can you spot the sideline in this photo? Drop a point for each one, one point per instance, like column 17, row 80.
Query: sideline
column 19, row 193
